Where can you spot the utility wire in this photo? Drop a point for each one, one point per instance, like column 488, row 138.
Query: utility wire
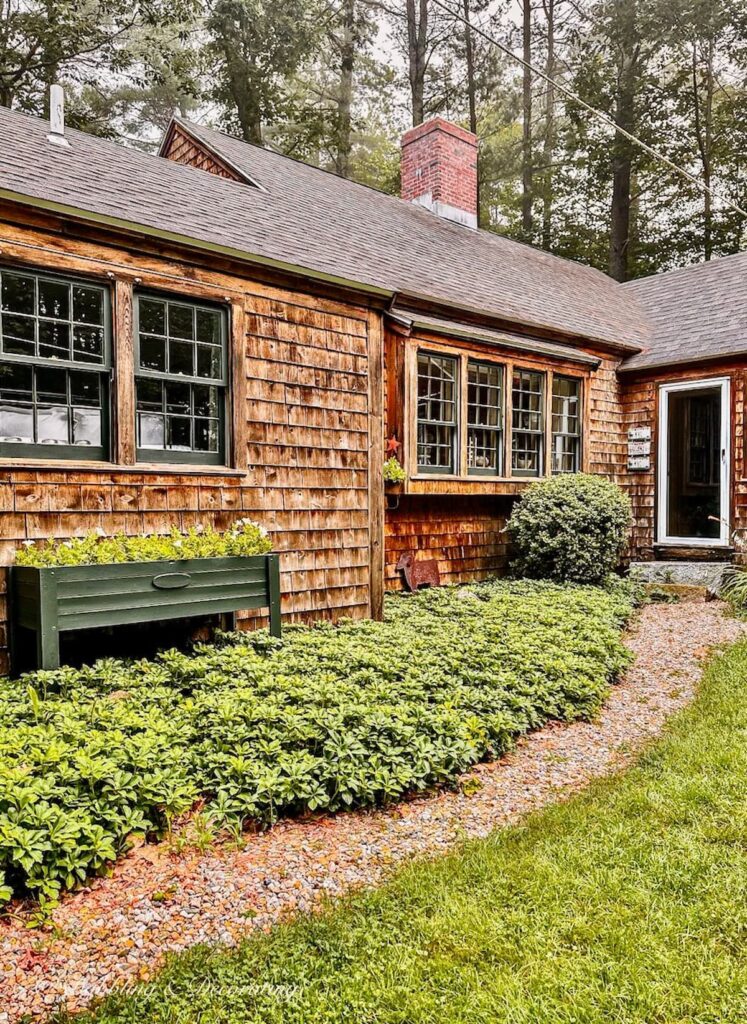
column 599, row 114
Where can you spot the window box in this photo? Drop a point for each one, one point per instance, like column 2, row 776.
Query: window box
column 52, row 600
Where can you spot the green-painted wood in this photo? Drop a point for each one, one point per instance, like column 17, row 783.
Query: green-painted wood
column 47, row 633
column 273, row 588
column 51, row 600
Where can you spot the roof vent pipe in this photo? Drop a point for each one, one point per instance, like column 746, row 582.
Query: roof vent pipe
column 57, row 116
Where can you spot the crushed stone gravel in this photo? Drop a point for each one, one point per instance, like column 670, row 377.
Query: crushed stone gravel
column 116, row 930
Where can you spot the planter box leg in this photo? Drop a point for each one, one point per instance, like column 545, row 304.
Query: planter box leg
column 273, row 586
column 47, row 648
column 47, row 633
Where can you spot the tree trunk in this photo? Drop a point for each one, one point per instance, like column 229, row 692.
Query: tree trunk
column 527, row 170
column 622, row 165
column 704, row 134
column 417, row 37
column 469, row 52
column 548, row 148
column 345, row 96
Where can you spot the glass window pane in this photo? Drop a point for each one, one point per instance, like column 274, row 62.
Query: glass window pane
column 88, row 305
column 19, row 293
column 52, row 424
column 205, row 400
column 149, row 394
column 150, row 428
column 181, row 321
column 181, row 358
column 206, row 435
column 209, row 362
column 152, row 353
column 54, row 299
column 54, row 339
column 209, row 326
column 88, row 344
column 19, row 334
column 86, row 427
column 16, row 411
column 152, row 316
column 178, row 397
column 85, row 389
column 179, row 433
column 51, row 384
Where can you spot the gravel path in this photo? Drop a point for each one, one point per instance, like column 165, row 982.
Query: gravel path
column 116, row 929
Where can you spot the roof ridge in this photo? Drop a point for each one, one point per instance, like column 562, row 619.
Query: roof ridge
column 485, row 233
column 688, row 268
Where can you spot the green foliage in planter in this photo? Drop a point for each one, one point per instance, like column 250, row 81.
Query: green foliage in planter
column 569, row 528
column 328, row 718
column 243, row 538
column 393, row 471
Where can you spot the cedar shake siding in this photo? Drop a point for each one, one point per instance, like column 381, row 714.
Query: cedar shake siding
column 305, row 428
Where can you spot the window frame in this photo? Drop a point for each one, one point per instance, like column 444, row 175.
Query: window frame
column 455, row 425
column 578, row 436
column 171, row 456
column 104, row 370
column 424, row 479
column 500, row 430
column 542, row 467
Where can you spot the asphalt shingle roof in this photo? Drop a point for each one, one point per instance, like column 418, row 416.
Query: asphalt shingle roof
column 312, row 219
column 694, row 313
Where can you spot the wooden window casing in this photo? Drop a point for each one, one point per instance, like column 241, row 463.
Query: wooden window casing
column 566, row 424
column 55, row 366
column 464, row 473
column 181, row 380
column 437, row 413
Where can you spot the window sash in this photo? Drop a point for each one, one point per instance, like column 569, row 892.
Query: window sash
column 28, row 326
column 528, row 423
column 485, row 385
column 180, row 339
column 439, row 434
column 566, row 424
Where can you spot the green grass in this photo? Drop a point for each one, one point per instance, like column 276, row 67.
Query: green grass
column 626, row 904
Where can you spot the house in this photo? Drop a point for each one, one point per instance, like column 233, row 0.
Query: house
column 220, row 331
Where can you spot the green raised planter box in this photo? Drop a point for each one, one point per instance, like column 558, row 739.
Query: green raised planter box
column 50, row 601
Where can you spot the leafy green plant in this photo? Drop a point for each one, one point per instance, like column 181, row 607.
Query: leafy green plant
column 734, row 587
column 569, row 528
column 328, row 718
column 393, row 471
column 96, row 548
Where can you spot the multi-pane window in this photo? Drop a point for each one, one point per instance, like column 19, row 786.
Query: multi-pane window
column 566, row 424
column 54, row 366
column 484, row 418
column 437, row 413
column 528, row 422
column 181, row 381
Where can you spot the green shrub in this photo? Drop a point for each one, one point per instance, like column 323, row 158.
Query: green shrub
column 243, row 538
column 569, row 528
column 328, row 718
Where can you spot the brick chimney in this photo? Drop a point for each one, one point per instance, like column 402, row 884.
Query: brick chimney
column 439, row 170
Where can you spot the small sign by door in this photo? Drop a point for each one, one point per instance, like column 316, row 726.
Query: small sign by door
column 639, row 448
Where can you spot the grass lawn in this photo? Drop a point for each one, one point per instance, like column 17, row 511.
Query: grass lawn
column 627, row 904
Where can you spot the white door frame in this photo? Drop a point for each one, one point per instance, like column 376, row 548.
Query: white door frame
column 724, row 538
